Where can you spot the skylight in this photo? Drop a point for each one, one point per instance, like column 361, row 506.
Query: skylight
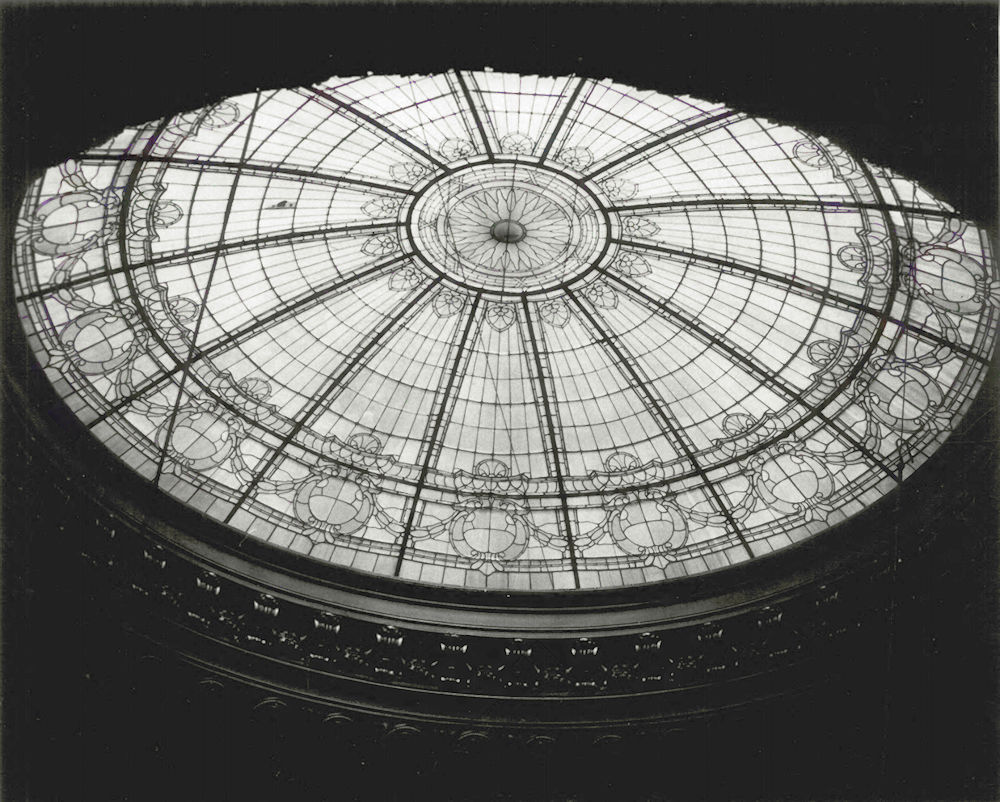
column 501, row 331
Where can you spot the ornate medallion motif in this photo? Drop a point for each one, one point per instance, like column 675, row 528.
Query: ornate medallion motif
column 509, row 228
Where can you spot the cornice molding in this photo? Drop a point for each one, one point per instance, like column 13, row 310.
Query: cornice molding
column 348, row 645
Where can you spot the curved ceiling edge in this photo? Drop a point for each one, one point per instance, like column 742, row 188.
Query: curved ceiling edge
column 782, row 576
column 587, row 252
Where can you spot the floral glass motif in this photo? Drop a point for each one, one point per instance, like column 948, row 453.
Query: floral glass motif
column 504, row 332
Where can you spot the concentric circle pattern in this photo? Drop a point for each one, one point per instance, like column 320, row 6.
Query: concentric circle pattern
column 510, row 228
column 502, row 331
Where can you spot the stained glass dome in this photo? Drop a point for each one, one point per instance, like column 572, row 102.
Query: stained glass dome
column 501, row 331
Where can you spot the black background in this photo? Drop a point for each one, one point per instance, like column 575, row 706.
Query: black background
column 911, row 87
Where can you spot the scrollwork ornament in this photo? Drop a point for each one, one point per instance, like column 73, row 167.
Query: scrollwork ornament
column 869, row 256
column 639, row 227
column 835, row 359
column 745, row 431
column 900, row 395
column 72, row 222
column 601, row 295
column 619, row 189
column 455, row 149
column 826, row 155
column 501, row 316
column 408, row 172
column 201, row 436
column 448, row 303
column 554, row 312
column 646, row 523
column 951, row 280
column 631, row 264
column 334, row 501
column 101, row 340
column 361, row 448
column 622, row 469
column 381, row 245
column 516, row 144
column 489, row 531
column 406, row 278
column 170, row 314
column 247, row 394
column 491, row 476
column 216, row 116
column 378, row 208
column 148, row 213
column 791, row 480
column 577, row 158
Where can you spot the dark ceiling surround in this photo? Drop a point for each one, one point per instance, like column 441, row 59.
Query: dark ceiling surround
column 356, row 646
column 336, row 638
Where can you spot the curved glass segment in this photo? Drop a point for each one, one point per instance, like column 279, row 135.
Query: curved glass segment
column 501, row 331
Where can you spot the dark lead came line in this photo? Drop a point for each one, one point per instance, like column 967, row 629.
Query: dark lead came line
column 660, row 141
column 236, row 246
column 624, row 363
column 475, row 114
column 350, row 109
column 752, row 365
column 204, row 298
column 562, row 118
column 441, row 403
column 356, row 359
column 550, row 427
column 293, row 307
column 246, row 167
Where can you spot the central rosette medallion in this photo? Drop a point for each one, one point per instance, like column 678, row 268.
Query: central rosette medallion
column 509, row 228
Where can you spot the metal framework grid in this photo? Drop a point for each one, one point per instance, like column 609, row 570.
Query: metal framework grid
column 503, row 331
